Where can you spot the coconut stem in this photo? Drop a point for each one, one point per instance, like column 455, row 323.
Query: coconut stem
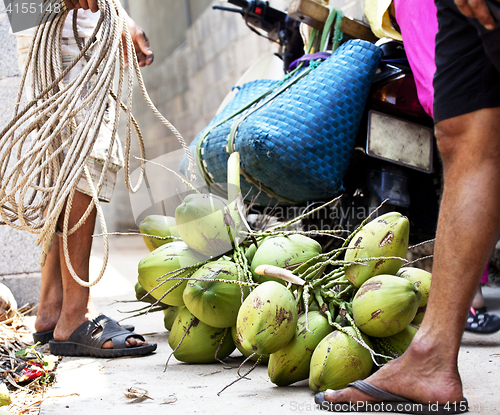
column 306, row 306
column 233, row 177
column 327, row 232
column 360, row 341
column 243, row 270
column 172, row 288
column 299, row 218
column 243, row 283
column 242, row 376
column 333, row 276
column 171, row 171
column 221, row 341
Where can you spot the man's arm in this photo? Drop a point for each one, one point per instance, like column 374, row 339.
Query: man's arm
column 478, row 9
column 141, row 42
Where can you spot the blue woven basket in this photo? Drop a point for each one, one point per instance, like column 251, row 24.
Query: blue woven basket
column 296, row 143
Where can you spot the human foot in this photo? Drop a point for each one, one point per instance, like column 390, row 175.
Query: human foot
column 44, row 337
column 419, row 376
column 388, row 402
column 48, row 314
column 101, row 337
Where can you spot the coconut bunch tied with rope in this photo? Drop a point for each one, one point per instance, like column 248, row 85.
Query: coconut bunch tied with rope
column 44, row 149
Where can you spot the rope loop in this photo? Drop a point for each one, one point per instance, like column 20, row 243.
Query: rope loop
column 48, row 142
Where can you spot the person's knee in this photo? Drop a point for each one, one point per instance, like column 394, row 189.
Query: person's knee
column 474, row 135
column 447, row 134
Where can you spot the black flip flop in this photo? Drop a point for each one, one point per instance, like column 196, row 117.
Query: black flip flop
column 45, row 336
column 389, row 403
column 88, row 338
column 479, row 321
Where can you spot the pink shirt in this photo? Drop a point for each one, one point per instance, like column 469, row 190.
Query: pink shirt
column 417, row 20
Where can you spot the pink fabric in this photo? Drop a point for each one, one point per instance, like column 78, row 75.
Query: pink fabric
column 418, row 22
column 484, row 279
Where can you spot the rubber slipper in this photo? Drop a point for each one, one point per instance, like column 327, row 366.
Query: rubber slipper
column 45, row 336
column 479, row 321
column 389, row 403
column 88, row 338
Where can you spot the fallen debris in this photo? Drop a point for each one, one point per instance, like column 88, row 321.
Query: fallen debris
column 26, row 372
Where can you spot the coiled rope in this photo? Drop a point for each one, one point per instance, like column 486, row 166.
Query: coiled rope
column 44, row 150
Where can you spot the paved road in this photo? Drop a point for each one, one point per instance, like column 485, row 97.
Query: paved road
column 99, row 386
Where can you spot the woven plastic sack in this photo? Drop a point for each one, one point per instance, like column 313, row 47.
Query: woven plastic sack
column 297, row 146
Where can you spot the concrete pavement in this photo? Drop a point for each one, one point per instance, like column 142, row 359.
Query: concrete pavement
column 99, row 386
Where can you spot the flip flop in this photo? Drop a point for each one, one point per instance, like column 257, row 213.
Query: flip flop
column 479, row 321
column 88, row 338
column 45, row 336
column 389, row 403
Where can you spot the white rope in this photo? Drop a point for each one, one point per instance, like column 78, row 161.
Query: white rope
column 44, row 150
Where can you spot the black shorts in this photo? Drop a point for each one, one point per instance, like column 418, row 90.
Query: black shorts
column 467, row 59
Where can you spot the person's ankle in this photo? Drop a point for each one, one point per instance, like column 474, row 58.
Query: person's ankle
column 434, row 354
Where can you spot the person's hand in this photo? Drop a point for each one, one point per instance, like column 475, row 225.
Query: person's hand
column 477, row 9
column 82, row 4
column 141, row 44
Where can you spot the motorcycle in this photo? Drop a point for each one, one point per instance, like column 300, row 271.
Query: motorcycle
column 393, row 159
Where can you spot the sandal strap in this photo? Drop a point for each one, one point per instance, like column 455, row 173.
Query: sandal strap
column 88, row 333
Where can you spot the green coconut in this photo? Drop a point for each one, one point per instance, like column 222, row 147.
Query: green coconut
column 158, row 225
column 264, row 358
column 208, row 224
column 385, row 305
column 215, row 303
column 420, row 278
column 339, row 360
column 385, row 236
column 164, row 260
column 201, row 343
column 169, row 314
column 291, row 363
column 284, row 252
column 252, row 249
column 267, row 319
column 395, row 345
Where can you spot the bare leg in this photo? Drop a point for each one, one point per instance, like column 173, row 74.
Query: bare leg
column 467, row 231
column 51, row 294
column 77, row 305
column 478, row 301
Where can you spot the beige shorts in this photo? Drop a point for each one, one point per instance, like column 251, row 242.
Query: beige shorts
column 95, row 163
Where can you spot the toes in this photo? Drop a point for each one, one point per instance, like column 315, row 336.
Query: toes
column 130, row 342
column 107, row 345
column 347, row 395
column 135, row 342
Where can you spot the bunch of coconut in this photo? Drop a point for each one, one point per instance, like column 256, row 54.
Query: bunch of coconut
column 202, row 268
column 375, row 322
column 205, row 295
column 323, row 317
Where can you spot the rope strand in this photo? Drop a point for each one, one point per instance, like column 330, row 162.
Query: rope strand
column 44, row 148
